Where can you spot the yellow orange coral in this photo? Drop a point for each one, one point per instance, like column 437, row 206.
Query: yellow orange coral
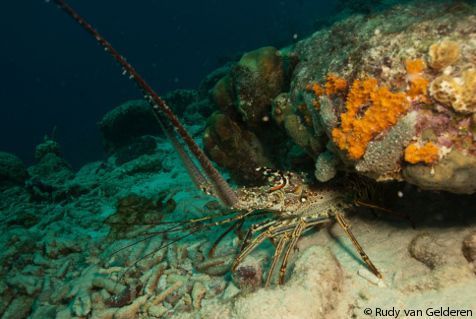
column 415, row 66
column 418, row 83
column 459, row 93
column 445, row 89
column 419, row 88
column 428, row 153
column 335, row 84
column 384, row 108
column 469, row 91
column 443, row 54
column 318, row 91
column 315, row 88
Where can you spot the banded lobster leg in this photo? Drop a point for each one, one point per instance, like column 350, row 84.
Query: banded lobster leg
column 296, row 234
column 346, row 227
column 288, row 235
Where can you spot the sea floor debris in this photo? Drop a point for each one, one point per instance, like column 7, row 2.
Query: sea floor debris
column 61, row 264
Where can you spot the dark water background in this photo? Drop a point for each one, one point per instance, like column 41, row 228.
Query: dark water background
column 53, row 74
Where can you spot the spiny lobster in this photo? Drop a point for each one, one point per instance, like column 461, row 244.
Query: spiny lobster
column 290, row 205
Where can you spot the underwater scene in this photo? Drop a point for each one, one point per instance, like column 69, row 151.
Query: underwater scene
column 263, row 159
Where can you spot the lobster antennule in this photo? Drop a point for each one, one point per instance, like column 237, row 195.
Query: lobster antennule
column 221, row 187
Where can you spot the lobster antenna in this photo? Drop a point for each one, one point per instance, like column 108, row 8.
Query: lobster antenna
column 194, row 172
column 222, row 189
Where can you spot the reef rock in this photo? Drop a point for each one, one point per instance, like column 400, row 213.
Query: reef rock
column 127, row 122
column 198, row 112
column 391, row 95
column 135, row 148
column 258, row 78
column 178, row 100
column 12, row 169
column 469, row 249
column 403, row 92
column 234, row 147
column 49, row 146
column 208, row 83
column 19, row 308
column 456, row 172
column 52, row 170
column 222, row 95
column 245, row 95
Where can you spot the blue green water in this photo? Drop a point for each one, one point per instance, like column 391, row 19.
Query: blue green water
column 54, row 76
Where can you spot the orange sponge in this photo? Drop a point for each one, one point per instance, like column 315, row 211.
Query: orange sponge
column 418, row 83
column 335, row 84
column 415, row 66
column 427, row 153
column 370, row 110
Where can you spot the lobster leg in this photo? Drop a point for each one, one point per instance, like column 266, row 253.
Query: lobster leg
column 274, row 228
column 346, row 227
column 253, row 229
column 277, row 254
column 237, row 224
column 296, row 234
column 249, row 248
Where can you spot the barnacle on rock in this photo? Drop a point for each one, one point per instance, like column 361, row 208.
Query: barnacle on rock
column 443, row 54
